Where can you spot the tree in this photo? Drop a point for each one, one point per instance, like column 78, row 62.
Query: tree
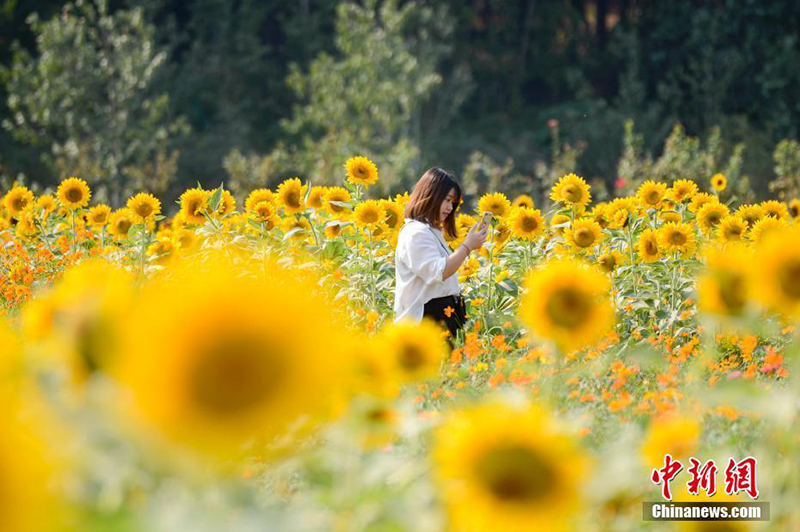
column 367, row 98
column 85, row 95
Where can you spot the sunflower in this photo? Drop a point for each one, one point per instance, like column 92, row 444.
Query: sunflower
column 333, row 229
column 194, row 203
column 120, row 222
column 258, row 195
column 620, row 211
column 527, row 223
column 610, row 260
column 46, row 203
column 161, row 251
column 28, row 504
column 648, row 246
column 571, row 190
column 415, row 350
column 337, row 201
column 794, row 208
column 369, row 213
column 26, row 226
column 775, row 209
column 74, row 193
column 361, row 171
column 227, row 203
column 98, row 215
column 651, row 194
column 599, row 214
column 316, row 197
column 144, row 206
column 82, row 317
column 496, row 203
column 681, row 190
column 523, row 200
column 567, row 302
column 676, row 238
column 719, row 182
column 291, row 195
column 670, row 216
column 699, row 200
column 710, row 215
column 750, row 214
column 676, row 435
column 17, row 200
column 584, row 234
column 777, row 271
column 300, row 226
column 394, row 214
column 724, row 286
column 217, row 368
column 267, row 213
column 731, row 229
column 508, row 468
column 764, row 227
column 560, row 220
column 184, row 239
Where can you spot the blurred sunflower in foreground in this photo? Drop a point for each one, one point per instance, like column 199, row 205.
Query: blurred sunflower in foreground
column 568, row 302
column 505, row 468
column 217, row 362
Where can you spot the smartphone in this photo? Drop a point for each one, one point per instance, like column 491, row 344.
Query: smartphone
column 487, row 216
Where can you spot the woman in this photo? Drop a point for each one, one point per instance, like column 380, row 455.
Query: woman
column 425, row 265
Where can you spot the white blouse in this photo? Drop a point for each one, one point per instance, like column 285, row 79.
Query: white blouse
column 420, row 259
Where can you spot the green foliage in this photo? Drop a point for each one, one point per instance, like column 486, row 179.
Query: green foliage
column 367, row 98
column 683, row 157
column 84, row 96
column 787, row 168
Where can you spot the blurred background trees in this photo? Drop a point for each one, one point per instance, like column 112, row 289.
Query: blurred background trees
column 271, row 89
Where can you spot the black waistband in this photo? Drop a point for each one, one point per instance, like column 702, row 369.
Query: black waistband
column 457, row 297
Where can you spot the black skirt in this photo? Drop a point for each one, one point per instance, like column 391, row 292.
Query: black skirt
column 435, row 309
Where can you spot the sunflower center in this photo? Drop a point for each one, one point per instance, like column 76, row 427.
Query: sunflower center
column 573, row 193
column 515, row 474
column 195, row 207
column 652, row 197
column 369, row 217
column 713, row 218
column 391, row 218
column 293, row 199
column 734, row 232
column 361, row 172
column 123, row 225
column 568, row 307
column 529, row 224
column 19, row 203
column 584, row 237
column 651, row 247
column 411, row 357
column 731, row 292
column 234, row 373
column 677, row 238
column 144, row 210
column 789, row 278
column 73, row 195
column 608, row 263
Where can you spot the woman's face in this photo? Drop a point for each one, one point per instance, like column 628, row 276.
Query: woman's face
column 448, row 205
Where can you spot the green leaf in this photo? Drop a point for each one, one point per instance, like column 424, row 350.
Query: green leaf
column 216, row 199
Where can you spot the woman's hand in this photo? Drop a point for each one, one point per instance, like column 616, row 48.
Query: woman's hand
column 476, row 236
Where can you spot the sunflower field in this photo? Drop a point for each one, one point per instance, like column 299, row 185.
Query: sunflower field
column 235, row 365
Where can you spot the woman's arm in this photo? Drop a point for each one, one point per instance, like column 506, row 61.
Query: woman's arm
column 454, row 261
column 474, row 239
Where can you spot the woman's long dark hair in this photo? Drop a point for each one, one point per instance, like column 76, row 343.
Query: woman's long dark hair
column 426, row 199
